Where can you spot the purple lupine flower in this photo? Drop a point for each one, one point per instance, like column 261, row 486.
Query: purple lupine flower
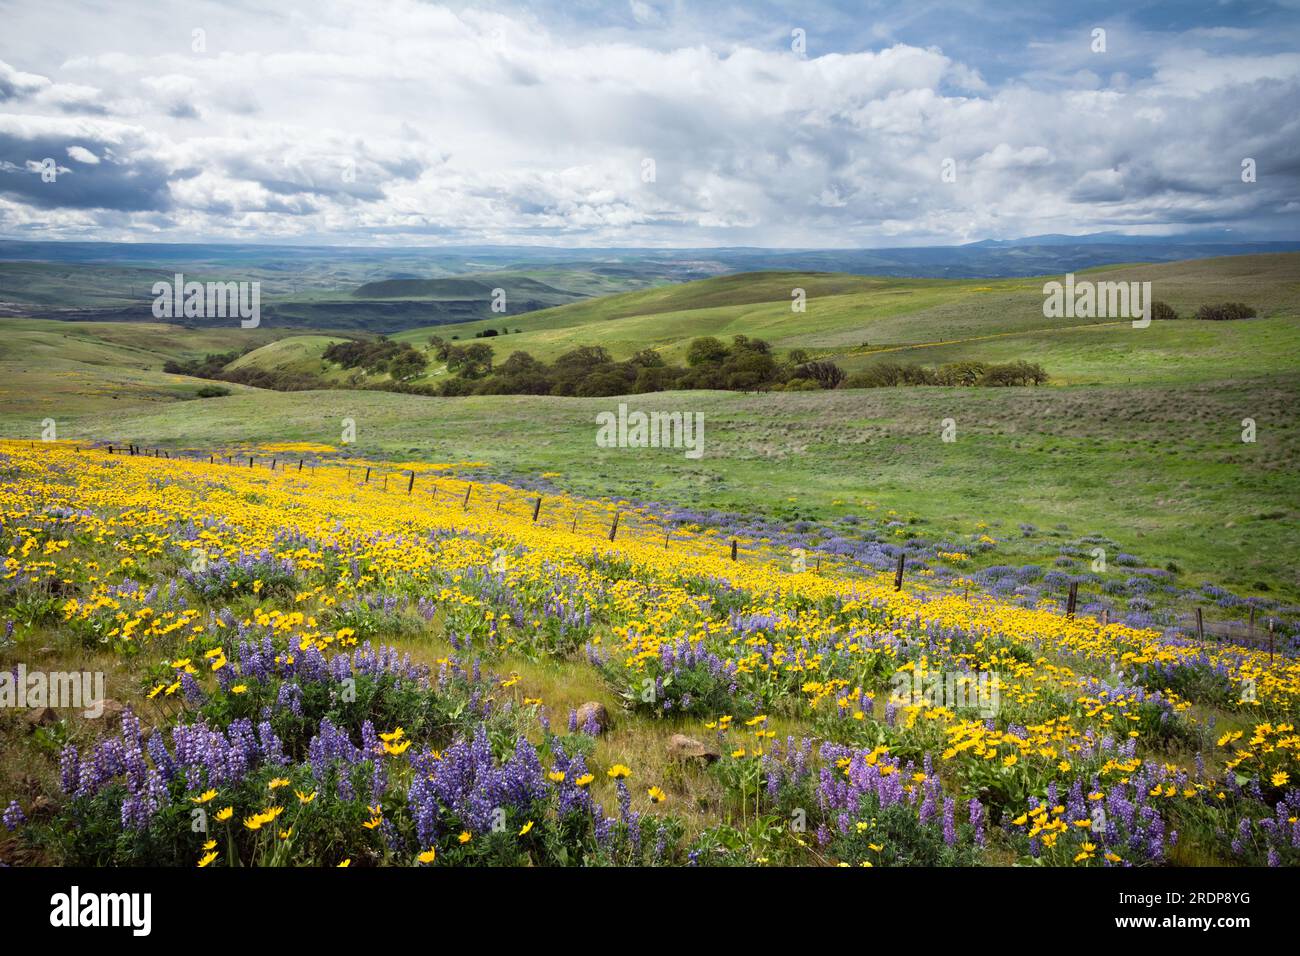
column 14, row 816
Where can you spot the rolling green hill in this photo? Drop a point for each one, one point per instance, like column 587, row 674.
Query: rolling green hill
column 462, row 287
column 858, row 321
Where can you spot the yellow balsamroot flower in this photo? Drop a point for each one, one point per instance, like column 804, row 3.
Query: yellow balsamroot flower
column 373, row 822
column 740, row 752
column 657, row 795
column 156, row 691
column 619, row 771
column 345, row 863
column 239, row 689
column 305, row 797
column 277, row 783
column 259, row 820
column 584, row 780
column 207, row 858
column 465, row 837
column 397, row 749
column 393, row 736
column 1280, row 779
column 555, row 776
column 204, row 797
column 523, row 831
column 225, row 813
column 428, row 856
column 211, row 844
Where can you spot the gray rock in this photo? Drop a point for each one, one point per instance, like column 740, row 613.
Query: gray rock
column 681, row 747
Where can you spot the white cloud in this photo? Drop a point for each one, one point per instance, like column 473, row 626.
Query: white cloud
column 471, row 125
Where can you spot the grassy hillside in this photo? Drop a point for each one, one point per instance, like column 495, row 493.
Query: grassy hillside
column 296, row 353
column 858, row 321
column 64, row 369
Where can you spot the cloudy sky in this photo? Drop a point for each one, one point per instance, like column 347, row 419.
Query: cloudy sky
column 650, row 122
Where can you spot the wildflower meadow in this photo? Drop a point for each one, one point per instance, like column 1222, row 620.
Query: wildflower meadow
column 321, row 661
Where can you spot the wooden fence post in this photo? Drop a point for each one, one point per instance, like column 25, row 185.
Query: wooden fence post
column 1073, row 599
column 733, row 549
column 410, row 485
column 537, row 508
column 613, row 529
column 898, row 575
column 367, row 475
column 1200, row 625
column 464, row 505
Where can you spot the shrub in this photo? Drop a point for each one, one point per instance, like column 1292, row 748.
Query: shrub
column 1225, row 312
column 1013, row 373
column 825, row 374
column 960, row 373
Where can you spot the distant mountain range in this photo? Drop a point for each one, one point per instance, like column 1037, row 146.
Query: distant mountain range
column 391, row 290
column 989, row 258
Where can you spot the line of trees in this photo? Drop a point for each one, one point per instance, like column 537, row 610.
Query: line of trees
column 968, row 374
column 745, row 364
column 400, row 360
column 589, row 371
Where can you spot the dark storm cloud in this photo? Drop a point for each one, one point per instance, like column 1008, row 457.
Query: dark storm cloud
column 131, row 186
